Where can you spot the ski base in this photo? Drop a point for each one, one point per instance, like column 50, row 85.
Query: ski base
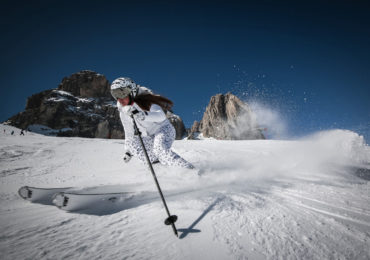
column 80, row 201
column 40, row 195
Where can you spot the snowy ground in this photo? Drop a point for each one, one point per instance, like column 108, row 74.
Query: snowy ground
column 303, row 199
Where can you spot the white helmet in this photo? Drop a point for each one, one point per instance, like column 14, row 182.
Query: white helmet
column 123, row 87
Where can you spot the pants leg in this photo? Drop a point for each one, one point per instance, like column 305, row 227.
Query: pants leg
column 162, row 148
column 136, row 149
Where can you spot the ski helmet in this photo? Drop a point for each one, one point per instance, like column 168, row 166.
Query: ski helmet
column 123, row 87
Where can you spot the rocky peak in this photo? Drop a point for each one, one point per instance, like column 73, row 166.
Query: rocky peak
column 227, row 117
column 194, row 130
column 86, row 83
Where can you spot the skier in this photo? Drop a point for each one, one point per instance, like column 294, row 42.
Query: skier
column 147, row 109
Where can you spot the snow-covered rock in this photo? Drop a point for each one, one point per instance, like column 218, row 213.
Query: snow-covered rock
column 83, row 104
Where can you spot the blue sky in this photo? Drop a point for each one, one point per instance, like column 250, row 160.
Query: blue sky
column 309, row 62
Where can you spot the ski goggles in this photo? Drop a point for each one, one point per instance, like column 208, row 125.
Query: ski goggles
column 120, row 92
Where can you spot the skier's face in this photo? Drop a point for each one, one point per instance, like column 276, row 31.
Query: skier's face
column 124, row 101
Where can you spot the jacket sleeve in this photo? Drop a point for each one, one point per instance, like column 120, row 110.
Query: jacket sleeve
column 128, row 127
column 155, row 114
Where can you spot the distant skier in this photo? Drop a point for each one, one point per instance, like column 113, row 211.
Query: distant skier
column 157, row 132
column 12, row 133
column 22, row 132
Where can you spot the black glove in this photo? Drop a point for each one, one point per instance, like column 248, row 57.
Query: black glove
column 127, row 157
column 139, row 115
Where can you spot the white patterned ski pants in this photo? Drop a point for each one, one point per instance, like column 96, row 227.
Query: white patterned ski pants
column 158, row 148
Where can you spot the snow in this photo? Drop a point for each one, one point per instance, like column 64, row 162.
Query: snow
column 58, row 99
column 261, row 199
column 63, row 93
column 64, row 96
column 86, row 100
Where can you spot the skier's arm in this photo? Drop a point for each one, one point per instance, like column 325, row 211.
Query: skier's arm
column 128, row 127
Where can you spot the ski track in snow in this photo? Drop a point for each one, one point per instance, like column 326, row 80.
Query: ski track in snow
column 265, row 199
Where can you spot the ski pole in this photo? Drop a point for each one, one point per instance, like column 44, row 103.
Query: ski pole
column 171, row 218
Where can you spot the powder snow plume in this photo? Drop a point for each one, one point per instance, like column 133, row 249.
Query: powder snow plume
column 269, row 119
column 327, row 154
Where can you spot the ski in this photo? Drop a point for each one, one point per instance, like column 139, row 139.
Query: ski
column 40, row 195
column 82, row 201
column 98, row 200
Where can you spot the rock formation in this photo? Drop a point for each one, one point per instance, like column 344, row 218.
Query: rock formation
column 177, row 122
column 86, row 84
column 80, row 106
column 194, row 131
column 227, row 118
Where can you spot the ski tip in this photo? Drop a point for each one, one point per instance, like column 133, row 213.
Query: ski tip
column 25, row 193
column 60, row 200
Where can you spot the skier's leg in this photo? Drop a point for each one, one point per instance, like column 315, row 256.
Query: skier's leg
column 162, row 148
column 136, row 149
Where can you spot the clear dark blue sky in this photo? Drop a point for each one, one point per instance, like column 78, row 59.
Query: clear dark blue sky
column 310, row 62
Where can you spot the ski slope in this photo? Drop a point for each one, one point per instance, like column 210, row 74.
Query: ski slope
column 261, row 199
